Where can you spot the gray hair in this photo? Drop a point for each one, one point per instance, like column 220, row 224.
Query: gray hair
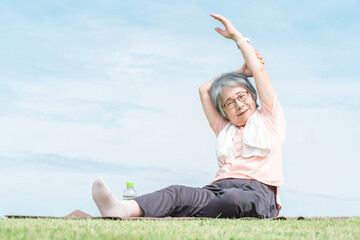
column 231, row 79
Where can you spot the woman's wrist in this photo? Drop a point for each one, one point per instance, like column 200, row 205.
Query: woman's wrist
column 242, row 40
column 239, row 71
column 237, row 37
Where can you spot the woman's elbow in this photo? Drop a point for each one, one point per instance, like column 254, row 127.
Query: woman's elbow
column 204, row 89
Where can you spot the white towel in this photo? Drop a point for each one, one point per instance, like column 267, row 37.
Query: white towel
column 225, row 150
column 256, row 140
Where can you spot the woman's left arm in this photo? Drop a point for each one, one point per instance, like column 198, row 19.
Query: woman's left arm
column 263, row 84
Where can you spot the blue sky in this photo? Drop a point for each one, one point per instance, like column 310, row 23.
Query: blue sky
column 110, row 88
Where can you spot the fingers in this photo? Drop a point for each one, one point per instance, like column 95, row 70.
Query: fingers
column 259, row 57
column 244, row 66
column 218, row 17
column 221, row 18
column 219, row 30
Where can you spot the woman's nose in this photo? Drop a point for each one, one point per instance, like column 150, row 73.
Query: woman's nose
column 239, row 104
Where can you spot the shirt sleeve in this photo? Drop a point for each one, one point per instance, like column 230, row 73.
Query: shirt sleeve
column 274, row 117
column 220, row 123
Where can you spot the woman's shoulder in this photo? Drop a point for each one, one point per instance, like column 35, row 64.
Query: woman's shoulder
column 274, row 111
column 274, row 117
column 220, row 123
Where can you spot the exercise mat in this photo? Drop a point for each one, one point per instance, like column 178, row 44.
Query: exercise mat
column 77, row 214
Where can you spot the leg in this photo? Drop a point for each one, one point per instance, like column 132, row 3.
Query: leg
column 109, row 205
column 174, row 201
column 237, row 202
column 136, row 210
column 232, row 203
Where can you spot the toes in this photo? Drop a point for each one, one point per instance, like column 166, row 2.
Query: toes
column 99, row 183
column 100, row 180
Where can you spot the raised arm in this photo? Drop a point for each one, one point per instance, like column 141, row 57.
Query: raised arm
column 204, row 91
column 262, row 81
column 209, row 109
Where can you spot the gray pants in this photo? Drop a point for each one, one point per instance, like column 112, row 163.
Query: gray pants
column 227, row 198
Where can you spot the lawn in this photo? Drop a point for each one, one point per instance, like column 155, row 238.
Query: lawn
column 175, row 229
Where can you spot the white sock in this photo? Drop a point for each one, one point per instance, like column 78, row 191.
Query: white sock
column 107, row 203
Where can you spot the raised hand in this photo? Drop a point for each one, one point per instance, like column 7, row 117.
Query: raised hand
column 245, row 70
column 253, row 62
column 230, row 31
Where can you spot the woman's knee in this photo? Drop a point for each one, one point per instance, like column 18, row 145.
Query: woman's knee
column 177, row 192
column 173, row 187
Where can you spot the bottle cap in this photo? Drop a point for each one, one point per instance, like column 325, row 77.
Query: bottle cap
column 129, row 184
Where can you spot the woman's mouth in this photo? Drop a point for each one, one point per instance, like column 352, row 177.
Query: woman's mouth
column 243, row 112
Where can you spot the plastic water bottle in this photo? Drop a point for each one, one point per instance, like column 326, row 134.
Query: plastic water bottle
column 129, row 192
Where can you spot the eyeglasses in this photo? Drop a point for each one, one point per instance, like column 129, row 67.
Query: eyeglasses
column 242, row 97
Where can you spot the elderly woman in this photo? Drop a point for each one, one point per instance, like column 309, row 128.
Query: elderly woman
column 249, row 150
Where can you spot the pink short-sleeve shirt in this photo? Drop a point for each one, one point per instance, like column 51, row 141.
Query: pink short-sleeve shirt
column 266, row 169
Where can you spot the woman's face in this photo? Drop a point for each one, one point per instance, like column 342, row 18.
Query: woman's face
column 238, row 105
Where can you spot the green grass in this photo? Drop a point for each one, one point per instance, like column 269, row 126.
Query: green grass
column 175, row 229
